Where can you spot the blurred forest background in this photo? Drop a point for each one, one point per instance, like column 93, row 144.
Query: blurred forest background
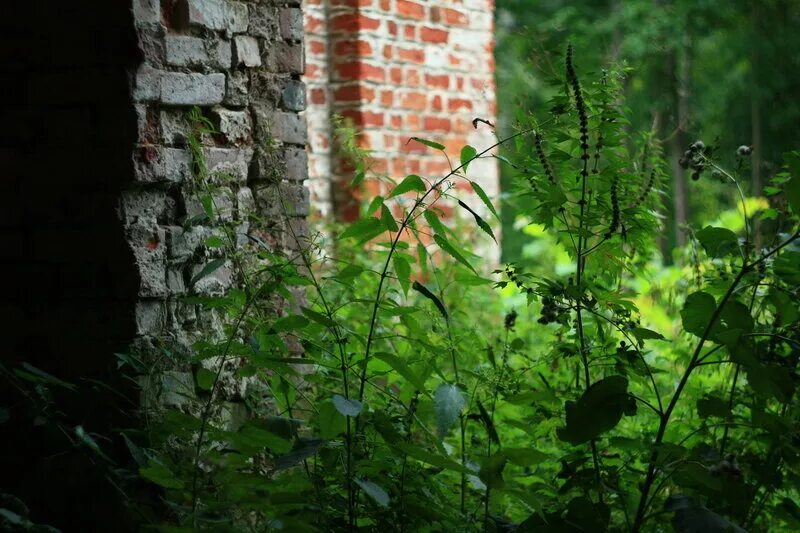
column 724, row 72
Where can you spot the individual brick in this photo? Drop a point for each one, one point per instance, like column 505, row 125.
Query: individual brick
column 162, row 164
column 290, row 21
column 235, row 126
column 182, row 51
column 238, row 89
column 246, row 52
column 150, row 317
column 264, row 22
column 178, row 88
column 293, row 97
column 211, row 14
column 237, row 17
column 146, row 11
column 296, row 163
column 232, row 161
column 287, row 58
column 147, row 244
column 146, row 84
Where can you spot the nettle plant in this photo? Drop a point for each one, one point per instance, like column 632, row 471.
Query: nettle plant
column 416, row 402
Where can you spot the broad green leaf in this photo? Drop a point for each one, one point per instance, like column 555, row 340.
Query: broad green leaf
column 210, row 268
column 252, row 439
column 792, row 187
column 718, row 242
column 642, row 334
column 420, row 288
column 697, row 311
column 787, row 267
column 364, row 229
column 433, row 221
column 598, row 410
column 412, row 182
column 468, row 153
column 161, row 475
column 387, row 218
column 330, row 421
column 713, row 406
column 401, row 368
column 402, row 270
column 205, row 378
column 319, row 318
column 348, row 407
column 290, row 323
column 785, row 307
column 432, row 459
column 694, row 518
column 525, row 456
column 484, row 198
column 373, row 491
column 214, row 242
column 448, row 248
column 478, row 220
column 374, row 205
column 428, row 143
column 448, row 402
column 491, row 472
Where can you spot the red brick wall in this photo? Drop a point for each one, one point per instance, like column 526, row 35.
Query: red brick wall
column 398, row 68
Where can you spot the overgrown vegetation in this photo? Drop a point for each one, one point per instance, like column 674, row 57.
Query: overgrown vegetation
column 406, row 389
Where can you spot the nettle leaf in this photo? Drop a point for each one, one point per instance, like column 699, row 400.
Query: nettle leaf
column 697, row 311
column 787, row 267
column 210, row 268
column 448, row 402
column 373, row 491
column 718, row 242
column 402, row 269
column 319, row 318
column 598, row 410
column 364, row 229
column 374, row 205
column 468, row 153
column 491, row 472
column 448, row 248
column 205, row 378
column 420, row 288
column 430, row 458
column 487, row 422
column 388, row 219
column 792, row 187
column 713, row 406
column 478, row 220
column 290, row 323
column 643, row 334
column 161, row 475
column 433, row 221
column 525, row 456
column 412, row 182
column 401, row 368
column 429, row 144
column 770, row 381
column 330, row 421
column 484, row 198
column 347, row 407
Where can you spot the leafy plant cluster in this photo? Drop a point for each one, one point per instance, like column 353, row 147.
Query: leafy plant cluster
column 407, row 390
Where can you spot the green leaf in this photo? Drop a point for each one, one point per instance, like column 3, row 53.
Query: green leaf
column 412, row 182
column 330, row 421
column 348, row 407
column 364, row 229
column 432, row 459
column 718, row 242
column 448, row 402
column 401, row 368
column 420, row 288
column 387, row 219
column 319, row 318
column 598, row 410
column 373, row 491
column 468, row 153
column 487, row 422
column 428, row 143
column 89, row 441
column 484, row 198
column 491, row 472
column 205, row 378
column 402, row 270
column 792, row 187
column 374, row 205
column 161, row 475
column 210, row 268
column 290, row 323
column 448, row 248
column 478, row 220
column 433, row 221
column 642, row 334
column 525, row 456
column 697, row 311
column 713, row 406
column 214, row 242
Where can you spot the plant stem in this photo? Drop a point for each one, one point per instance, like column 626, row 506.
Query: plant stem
column 650, row 477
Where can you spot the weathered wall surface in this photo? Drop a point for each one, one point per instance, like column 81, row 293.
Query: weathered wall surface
column 241, row 63
column 398, row 68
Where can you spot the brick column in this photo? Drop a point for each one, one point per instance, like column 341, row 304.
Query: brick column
column 399, row 68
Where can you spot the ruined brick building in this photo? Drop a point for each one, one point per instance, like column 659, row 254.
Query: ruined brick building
column 94, row 199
